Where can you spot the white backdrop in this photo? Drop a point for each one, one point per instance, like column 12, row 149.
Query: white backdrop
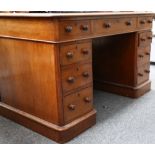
column 78, row 5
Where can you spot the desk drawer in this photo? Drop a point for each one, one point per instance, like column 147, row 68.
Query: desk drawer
column 115, row 25
column 75, row 52
column 78, row 104
column 145, row 38
column 74, row 29
column 144, row 55
column 76, row 76
column 145, row 22
column 143, row 73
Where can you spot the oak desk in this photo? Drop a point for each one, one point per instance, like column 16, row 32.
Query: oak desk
column 49, row 64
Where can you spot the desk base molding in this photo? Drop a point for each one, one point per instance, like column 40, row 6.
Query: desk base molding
column 133, row 92
column 60, row 134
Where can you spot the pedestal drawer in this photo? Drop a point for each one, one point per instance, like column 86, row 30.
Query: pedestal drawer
column 144, row 55
column 145, row 22
column 143, row 73
column 78, row 104
column 74, row 29
column 76, row 76
column 75, row 52
column 114, row 25
column 145, row 38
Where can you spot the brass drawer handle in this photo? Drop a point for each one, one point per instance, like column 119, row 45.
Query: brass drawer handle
column 142, row 22
column 149, row 21
column 142, row 39
column 85, row 74
column 84, row 27
column 87, row 99
column 71, row 79
column 147, row 53
column 140, row 74
column 107, row 25
column 85, row 51
column 140, row 55
column 147, row 71
column 68, row 28
column 129, row 23
column 71, row 107
column 69, row 55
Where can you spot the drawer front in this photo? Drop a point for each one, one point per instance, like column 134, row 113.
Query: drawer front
column 76, row 52
column 145, row 22
column 78, row 104
column 145, row 38
column 116, row 25
column 76, row 76
column 74, row 29
column 143, row 73
column 144, row 55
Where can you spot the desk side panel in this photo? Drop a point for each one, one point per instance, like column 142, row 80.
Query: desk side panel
column 28, row 79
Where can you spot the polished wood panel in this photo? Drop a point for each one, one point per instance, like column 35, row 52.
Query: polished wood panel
column 114, row 59
column 28, row 78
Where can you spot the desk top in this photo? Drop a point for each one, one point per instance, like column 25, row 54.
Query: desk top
column 74, row 14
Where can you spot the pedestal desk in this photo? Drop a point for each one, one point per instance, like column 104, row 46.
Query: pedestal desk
column 49, row 64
